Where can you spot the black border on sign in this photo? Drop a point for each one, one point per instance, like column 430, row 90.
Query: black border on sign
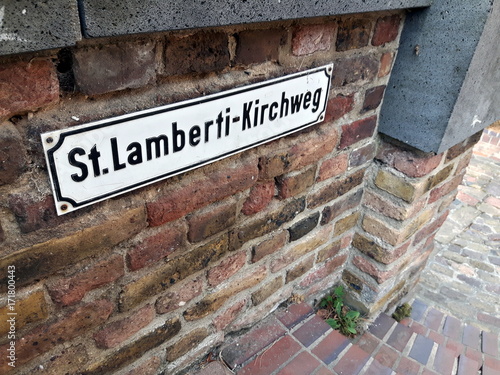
column 168, row 108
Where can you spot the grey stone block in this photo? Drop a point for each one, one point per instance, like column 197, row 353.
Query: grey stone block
column 110, row 17
column 445, row 82
column 27, row 25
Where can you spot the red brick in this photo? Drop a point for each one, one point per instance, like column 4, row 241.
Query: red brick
column 27, row 86
column 408, row 367
column 455, row 346
column 369, row 268
column 387, row 356
column 214, row 220
column 300, row 154
column 342, row 205
column 308, row 39
column 338, row 107
column 377, row 252
column 294, row 314
column 411, row 163
column 362, row 155
column 391, row 209
column 12, row 153
column 69, row 290
column 311, row 330
column 385, row 64
column 353, row 361
column 34, row 213
column 333, row 167
column 149, row 367
column 430, row 229
column 179, row 295
column 445, row 189
column 225, row 269
column 267, row 362
column 156, row 247
column 462, row 147
column 269, row 246
column 444, row 361
column 258, row 338
column 491, row 364
column 322, row 272
column 466, row 198
column 187, row 197
column 201, row 52
column 118, row 331
column 386, row 29
column 436, row 337
column 304, row 363
column 357, row 131
column 260, row 196
column 354, row 69
column 368, row 342
column 353, row 33
column 45, row 337
column 373, row 98
column 299, row 269
column 258, row 46
column 227, row 317
column 108, row 68
column 295, row 184
column 330, row 347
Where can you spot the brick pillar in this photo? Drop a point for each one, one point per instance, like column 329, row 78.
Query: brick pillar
column 405, row 202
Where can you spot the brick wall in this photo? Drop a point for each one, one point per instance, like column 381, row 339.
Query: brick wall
column 152, row 280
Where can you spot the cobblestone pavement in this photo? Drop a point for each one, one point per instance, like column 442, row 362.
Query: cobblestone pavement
column 463, row 274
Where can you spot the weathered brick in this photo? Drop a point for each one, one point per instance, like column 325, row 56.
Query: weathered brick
column 308, row 39
column 464, row 161
column 267, row 291
column 329, row 251
column 295, row 184
column 377, row 252
column 258, row 46
column 172, row 272
column 371, row 269
column 342, row 205
column 33, row 213
column 227, row 268
column 158, row 246
column 300, row 154
column 301, row 248
column 412, row 163
column 398, row 211
column 69, row 290
column 27, row 86
column 179, row 295
column 445, row 189
column 362, row 155
column 187, row 197
column 333, row 167
column 68, row 361
column 46, row 258
column 353, row 33
column 352, row 281
column 148, row 367
column 299, row 269
column 357, row 131
column 335, row 189
column 213, row 221
column 338, row 106
column 373, row 98
column 275, row 243
column 386, row 29
column 399, row 186
column 227, row 317
column 118, row 331
column 303, row 227
column 136, row 349
column 45, row 337
column 439, row 177
column 345, row 224
column 385, row 64
column 30, row 309
column 214, row 301
column 327, row 269
column 103, row 69
column 2, row 234
column 185, row 344
column 267, row 224
column 353, row 69
column 12, row 152
column 462, row 147
column 202, row 52
column 431, row 228
column 259, row 198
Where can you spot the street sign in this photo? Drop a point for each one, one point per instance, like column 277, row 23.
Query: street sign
column 92, row 162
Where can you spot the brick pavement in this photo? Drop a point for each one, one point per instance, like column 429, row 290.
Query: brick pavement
column 455, row 324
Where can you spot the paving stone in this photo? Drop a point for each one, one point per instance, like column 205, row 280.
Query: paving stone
column 418, row 310
column 472, row 337
column 434, row 319
column 375, row 368
column 489, row 343
column 400, row 337
column 304, row 363
column 330, row 347
column 352, row 362
column 421, row 349
column 293, row 314
column 444, row 360
column 467, row 366
column 381, row 326
column 452, row 328
column 312, row 330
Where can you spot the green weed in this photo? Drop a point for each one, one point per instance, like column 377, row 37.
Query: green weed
column 338, row 315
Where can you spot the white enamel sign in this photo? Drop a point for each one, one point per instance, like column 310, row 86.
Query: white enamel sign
column 99, row 160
